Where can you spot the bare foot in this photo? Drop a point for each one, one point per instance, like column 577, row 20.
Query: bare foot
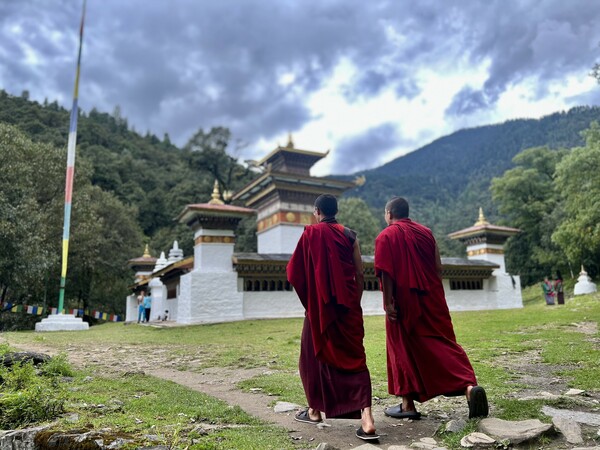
column 367, row 422
column 314, row 414
column 468, row 392
column 408, row 404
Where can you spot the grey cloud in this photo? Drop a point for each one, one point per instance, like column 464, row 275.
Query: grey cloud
column 180, row 65
column 467, row 101
column 365, row 149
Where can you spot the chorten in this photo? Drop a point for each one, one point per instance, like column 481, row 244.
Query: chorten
column 210, row 290
column 485, row 241
column 284, row 195
column 584, row 284
column 143, row 265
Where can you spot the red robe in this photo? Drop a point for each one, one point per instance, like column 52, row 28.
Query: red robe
column 423, row 357
column 332, row 361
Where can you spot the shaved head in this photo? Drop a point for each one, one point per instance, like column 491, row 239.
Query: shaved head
column 327, row 204
column 398, row 208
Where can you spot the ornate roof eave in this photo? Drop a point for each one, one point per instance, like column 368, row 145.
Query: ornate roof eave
column 291, row 182
column 316, row 156
column 183, row 266
column 273, row 265
column 488, row 229
column 191, row 212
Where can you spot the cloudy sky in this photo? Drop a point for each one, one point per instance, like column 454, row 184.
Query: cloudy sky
column 369, row 79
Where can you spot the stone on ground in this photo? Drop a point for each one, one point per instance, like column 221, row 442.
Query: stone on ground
column 326, row 446
column 477, row 440
column 574, row 392
column 578, row 416
column 455, row 426
column 514, row 432
column 283, row 407
column 569, row 428
column 17, row 439
column 367, row 447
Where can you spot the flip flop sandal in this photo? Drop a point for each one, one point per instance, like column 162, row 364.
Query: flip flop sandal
column 361, row 434
column 398, row 413
column 303, row 417
column 478, row 405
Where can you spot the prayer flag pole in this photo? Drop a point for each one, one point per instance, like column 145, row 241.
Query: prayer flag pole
column 70, row 171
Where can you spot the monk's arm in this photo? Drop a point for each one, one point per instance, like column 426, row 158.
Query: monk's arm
column 438, row 261
column 387, row 285
column 358, row 264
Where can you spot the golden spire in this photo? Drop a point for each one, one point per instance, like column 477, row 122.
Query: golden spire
column 216, row 197
column 146, row 252
column 481, row 220
column 290, row 143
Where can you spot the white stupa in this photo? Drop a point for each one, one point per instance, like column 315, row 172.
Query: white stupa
column 584, row 284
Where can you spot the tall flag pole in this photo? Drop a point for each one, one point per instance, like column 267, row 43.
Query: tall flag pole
column 70, row 171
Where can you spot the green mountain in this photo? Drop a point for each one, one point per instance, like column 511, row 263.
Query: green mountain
column 447, row 180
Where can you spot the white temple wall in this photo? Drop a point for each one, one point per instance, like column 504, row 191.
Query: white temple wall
column 279, row 239
column 131, row 308
column 158, row 292
column 209, row 298
column 213, row 257
column 497, row 293
column 171, row 305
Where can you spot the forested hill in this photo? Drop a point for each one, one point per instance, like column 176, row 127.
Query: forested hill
column 143, row 171
column 447, row 180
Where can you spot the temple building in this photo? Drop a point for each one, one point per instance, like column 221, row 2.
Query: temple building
column 218, row 285
column 284, row 195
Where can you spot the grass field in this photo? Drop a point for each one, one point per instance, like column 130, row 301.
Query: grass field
column 152, row 407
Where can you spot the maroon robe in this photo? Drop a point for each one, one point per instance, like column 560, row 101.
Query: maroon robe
column 423, row 358
column 333, row 365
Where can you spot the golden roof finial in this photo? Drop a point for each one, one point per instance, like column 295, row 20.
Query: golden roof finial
column 146, row 252
column 481, row 220
column 290, row 143
column 216, row 197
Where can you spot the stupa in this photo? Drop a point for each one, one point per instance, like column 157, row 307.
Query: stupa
column 584, row 284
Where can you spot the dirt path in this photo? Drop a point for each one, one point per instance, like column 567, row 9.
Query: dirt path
column 221, row 383
column 178, row 366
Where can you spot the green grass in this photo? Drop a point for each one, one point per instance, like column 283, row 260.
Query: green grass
column 489, row 337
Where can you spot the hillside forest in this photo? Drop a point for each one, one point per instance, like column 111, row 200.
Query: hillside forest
column 541, row 176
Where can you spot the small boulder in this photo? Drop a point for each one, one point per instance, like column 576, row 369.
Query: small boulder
column 569, row 428
column 477, row 440
column 514, row 431
column 455, row 426
column 283, row 407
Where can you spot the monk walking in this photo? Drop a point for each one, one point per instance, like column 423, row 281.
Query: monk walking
column 423, row 358
column 326, row 272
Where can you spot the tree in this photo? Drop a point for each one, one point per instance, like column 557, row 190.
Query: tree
column 578, row 181
column 355, row 214
column 209, row 153
column 527, row 197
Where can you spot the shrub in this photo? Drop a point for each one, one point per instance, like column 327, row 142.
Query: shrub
column 57, row 366
column 27, row 398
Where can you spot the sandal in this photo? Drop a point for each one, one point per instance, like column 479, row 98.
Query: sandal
column 303, row 417
column 478, row 405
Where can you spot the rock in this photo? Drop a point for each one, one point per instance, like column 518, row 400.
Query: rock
column 569, row 428
column 9, row 359
column 577, row 416
column 541, row 396
column 514, row 432
column 20, row 439
column 586, row 448
column 398, row 447
column 367, row 447
column 425, row 443
column 72, row 418
column 477, row 439
column 326, row 446
column 323, row 425
column 282, row 407
column 455, row 426
column 574, row 392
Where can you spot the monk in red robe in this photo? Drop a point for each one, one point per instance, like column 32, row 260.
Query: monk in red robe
column 423, row 357
column 326, row 272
